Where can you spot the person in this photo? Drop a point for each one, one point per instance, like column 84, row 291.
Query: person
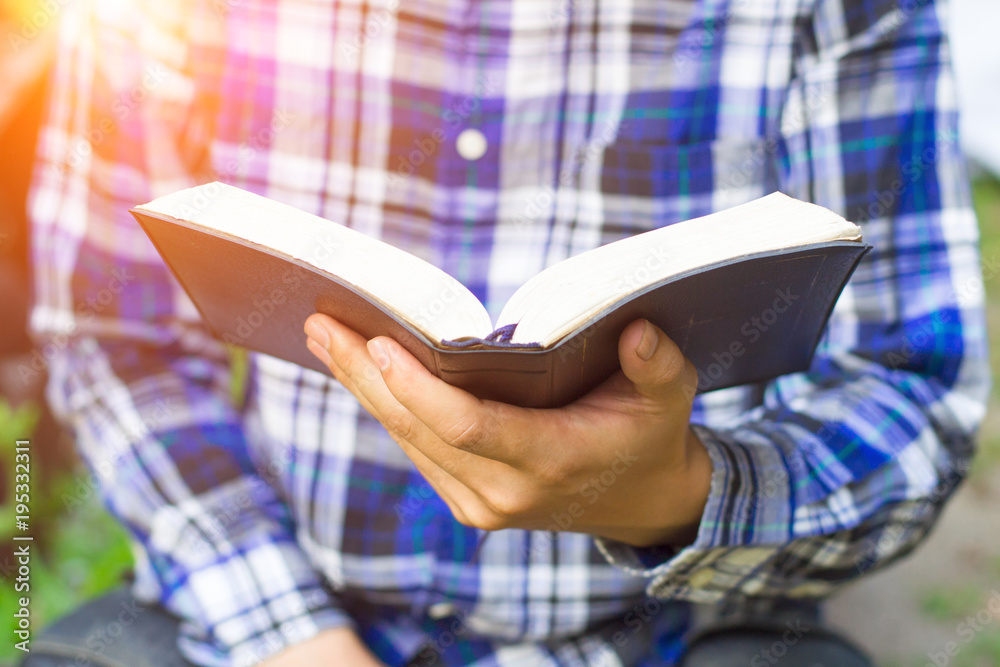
column 387, row 518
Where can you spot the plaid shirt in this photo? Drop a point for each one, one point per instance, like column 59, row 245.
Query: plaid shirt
column 267, row 517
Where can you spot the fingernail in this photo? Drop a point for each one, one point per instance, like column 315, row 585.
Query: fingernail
column 648, row 343
column 318, row 333
column 380, row 353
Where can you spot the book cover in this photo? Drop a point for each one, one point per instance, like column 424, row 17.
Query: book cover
column 738, row 321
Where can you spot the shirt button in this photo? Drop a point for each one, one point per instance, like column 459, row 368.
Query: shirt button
column 440, row 610
column 701, row 579
column 471, row 144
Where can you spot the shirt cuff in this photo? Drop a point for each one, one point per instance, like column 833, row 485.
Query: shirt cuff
column 747, row 519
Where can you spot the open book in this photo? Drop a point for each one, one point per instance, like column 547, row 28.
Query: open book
column 744, row 292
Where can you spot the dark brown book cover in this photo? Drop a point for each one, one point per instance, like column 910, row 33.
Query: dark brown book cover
column 740, row 321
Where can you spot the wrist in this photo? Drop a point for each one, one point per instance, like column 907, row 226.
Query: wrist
column 676, row 501
column 693, row 486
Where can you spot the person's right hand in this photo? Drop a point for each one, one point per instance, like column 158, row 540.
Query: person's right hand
column 338, row 646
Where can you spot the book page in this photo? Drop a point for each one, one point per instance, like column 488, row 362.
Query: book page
column 429, row 299
column 563, row 297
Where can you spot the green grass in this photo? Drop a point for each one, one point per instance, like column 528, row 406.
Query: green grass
column 981, row 649
column 84, row 553
column 986, row 193
column 951, row 603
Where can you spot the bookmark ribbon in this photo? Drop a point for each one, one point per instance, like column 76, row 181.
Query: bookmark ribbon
column 500, row 339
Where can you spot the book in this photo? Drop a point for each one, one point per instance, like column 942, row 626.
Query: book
column 744, row 292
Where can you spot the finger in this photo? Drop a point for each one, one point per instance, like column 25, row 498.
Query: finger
column 655, row 365
column 453, row 492
column 486, row 429
column 459, row 498
column 349, row 356
column 341, row 377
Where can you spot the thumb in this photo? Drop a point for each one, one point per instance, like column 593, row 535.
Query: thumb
column 654, row 363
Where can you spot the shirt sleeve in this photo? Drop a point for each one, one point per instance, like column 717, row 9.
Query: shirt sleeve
column 845, row 468
column 144, row 388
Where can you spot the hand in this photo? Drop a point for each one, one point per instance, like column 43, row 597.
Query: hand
column 620, row 462
column 338, row 646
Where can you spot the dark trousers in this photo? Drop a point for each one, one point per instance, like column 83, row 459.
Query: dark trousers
column 111, row 631
column 114, row 631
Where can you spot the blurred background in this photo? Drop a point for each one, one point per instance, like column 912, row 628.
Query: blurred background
column 904, row 616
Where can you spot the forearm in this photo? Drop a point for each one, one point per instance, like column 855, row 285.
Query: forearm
column 338, row 646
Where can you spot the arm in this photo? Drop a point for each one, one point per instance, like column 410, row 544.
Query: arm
column 845, row 468
column 341, row 644
column 842, row 468
column 144, row 388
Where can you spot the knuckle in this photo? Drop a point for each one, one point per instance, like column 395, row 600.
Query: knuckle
column 459, row 513
column 559, row 471
column 485, row 518
column 370, row 374
column 400, row 425
column 507, row 505
column 466, row 434
column 672, row 366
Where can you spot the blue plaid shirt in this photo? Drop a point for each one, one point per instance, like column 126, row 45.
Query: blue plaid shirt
column 267, row 517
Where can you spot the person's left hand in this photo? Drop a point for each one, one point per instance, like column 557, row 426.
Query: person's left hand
column 621, row 462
